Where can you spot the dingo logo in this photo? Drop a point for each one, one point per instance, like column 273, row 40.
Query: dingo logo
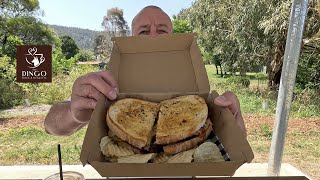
column 34, row 63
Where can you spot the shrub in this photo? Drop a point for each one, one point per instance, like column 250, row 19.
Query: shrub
column 85, row 55
column 9, row 48
column 239, row 81
column 7, row 68
column 10, row 94
column 306, row 103
column 58, row 90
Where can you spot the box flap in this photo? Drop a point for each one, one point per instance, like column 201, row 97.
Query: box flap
column 230, row 135
column 97, row 129
column 167, row 63
column 165, row 169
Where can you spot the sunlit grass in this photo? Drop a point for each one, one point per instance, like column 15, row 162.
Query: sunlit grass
column 32, row 145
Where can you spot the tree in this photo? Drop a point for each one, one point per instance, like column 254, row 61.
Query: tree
column 85, row 55
column 308, row 75
column 10, row 48
column 251, row 36
column 69, row 46
column 217, row 63
column 16, row 8
column 181, row 26
column 18, row 20
column 234, row 35
column 114, row 25
column 98, row 45
column 83, row 37
column 275, row 25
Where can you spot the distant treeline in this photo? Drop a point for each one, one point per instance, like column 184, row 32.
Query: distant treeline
column 84, row 38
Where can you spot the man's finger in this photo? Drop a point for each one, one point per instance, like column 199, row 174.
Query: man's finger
column 83, row 103
column 101, row 85
column 108, row 77
column 230, row 100
column 87, row 91
column 222, row 101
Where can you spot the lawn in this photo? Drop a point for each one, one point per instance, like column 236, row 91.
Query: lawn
column 32, row 145
column 305, row 102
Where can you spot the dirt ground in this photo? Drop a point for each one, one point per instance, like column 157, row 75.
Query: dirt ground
column 309, row 164
column 294, row 124
column 19, row 122
column 253, row 123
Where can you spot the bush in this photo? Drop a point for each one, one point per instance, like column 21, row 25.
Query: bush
column 60, row 64
column 261, row 76
column 239, row 81
column 85, row 55
column 7, row 68
column 9, row 48
column 308, row 74
column 57, row 91
column 306, row 103
column 10, row 94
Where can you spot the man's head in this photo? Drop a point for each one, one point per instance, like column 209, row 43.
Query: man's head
column 151, row 21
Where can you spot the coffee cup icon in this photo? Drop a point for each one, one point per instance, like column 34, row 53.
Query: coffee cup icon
column 33, row 58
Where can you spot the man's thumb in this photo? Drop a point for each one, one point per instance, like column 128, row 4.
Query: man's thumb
column 222, row 101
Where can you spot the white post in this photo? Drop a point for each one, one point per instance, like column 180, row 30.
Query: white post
column 288, row 76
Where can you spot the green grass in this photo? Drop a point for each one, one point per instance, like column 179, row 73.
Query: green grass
column 305, row 104
column 32, row 145
column 302, row 149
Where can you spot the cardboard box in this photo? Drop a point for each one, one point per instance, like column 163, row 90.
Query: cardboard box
column 155, row 69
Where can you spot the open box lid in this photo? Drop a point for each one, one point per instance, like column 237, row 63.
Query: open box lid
column 167, row 63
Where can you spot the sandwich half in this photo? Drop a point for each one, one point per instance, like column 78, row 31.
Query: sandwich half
column 180, row 118
column 132, row 120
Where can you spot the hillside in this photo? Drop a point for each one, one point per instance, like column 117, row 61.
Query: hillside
column 83, row 37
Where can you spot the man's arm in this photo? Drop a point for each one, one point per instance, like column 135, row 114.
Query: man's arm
column 60, row 121
column 65, row 118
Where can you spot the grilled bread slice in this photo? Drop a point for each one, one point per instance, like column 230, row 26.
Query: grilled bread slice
column 132, row 120
column 200, row 136
column 180, row 118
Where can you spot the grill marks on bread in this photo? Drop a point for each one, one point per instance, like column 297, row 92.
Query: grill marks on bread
column 132, row 120
column 200, row 136
column 180, row 118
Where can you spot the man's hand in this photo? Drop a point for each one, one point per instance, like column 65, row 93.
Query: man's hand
column 230, row 100
column 86, row 91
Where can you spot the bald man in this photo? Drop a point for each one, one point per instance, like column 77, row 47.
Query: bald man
column 66, row 118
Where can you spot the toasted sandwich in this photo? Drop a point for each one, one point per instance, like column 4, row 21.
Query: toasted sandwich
column 180, row 118
column 171, row 126
column 132, row 120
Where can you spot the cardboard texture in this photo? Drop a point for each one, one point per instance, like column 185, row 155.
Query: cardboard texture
column 156, row 69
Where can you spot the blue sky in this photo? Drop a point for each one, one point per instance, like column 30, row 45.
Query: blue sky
column 88, row 14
